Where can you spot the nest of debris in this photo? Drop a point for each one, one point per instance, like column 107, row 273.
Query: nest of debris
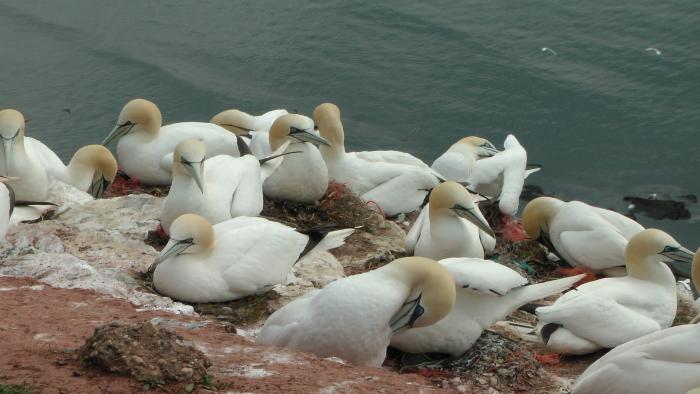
column 494, row 361
column 124, row 185
column 145, row 352
column 339, row 206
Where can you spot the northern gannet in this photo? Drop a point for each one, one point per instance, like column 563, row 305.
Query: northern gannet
column 91, row 169
column 254, row 127
column 353, row 318
column 31, row 180
column 579, row 233
column 667, row 361
column 394, row 187
column 217, row 188
column 143, row 142
column 230, row 260
column 611, row 311
column 301, row 177
column 502, row 175
column 486, row 293
column 452, row 227
column 458, row 161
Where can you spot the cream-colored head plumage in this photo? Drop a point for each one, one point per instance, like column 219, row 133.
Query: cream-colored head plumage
column 327, row 118
column 650, row 245
column 195, row 228
column 235, row 121
column 430, row 279
column 12, row 123
column 474, row 141
column 537, row 215
column 144, row 114
column 190, row 150
column 453, row 199
column 97, row 158
column 282, row 127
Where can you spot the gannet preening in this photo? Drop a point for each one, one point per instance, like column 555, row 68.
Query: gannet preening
column 579, row 233
column 217, row 188
column 452, row 227
column 7, row 205
column 254, row 127
column 655, row 50
column 232, row 259
column 486, row 293
column 608, row 312
column 394, row 187
column 301, row 177
column 545, row 49
column 457, row 163
column 142, row 142
column 92, row 168
column 353, row 318
column 667, row 361
column 502, row 175
column 31, row 182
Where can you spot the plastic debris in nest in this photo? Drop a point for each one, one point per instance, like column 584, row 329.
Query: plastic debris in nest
column 590, row 275
column 124, row 184
column 339, row 206
column 494, row 361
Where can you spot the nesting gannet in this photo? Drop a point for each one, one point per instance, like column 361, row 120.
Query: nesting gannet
column 457, row 163
column 579, row 233
column 31, row 180
column 7, row 205
column 486, row 292
column 667, row 361
column 143, row 143
column 301, row 177
column 254, row 127
column 452, row 227
column 217, row 188
column 608, row 312
column 232, row 259
column 394, row 187
column 353, row 318
column 91, row 169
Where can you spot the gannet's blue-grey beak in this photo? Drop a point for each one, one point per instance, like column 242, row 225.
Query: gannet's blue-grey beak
column 8, row 145
column 177, row 248
column 118, row 132
column 306, row 136
column 194, row 168
column 98, row 187
column 678, row 254
column 487, row 150
column 470, row 215
column 407, row 315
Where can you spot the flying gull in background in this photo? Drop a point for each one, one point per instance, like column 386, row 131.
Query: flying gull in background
column 656, row 50
column 545, row 49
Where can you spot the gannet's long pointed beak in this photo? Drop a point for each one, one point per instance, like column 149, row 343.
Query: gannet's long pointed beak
column 177, row 248
column 194, row 168
column 8, row 145
column 266, row 159
column 118, row 132
column 469, row 214
column 488, row 150
column 406, row 315
column 678, row 254
column 98, row 187
column 306, row 136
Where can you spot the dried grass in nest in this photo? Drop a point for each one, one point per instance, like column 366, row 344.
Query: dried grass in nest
column 494, row 361
column 238, row 312
column 124, row 185
column 339, row 205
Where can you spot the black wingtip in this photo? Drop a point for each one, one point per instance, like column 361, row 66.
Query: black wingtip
column 547, row 331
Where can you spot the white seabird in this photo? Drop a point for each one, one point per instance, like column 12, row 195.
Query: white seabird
column 217, row 188
column 667, row 361
column 301, row 177
column 581, row 234
column 354, row 318
column 232, row 259
column 458, row 161
column 256, row 128
column 7, row 205
column 395, row 188
column 451, row 225
column 143, row 142
column 611, row 311
column 486, row 293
